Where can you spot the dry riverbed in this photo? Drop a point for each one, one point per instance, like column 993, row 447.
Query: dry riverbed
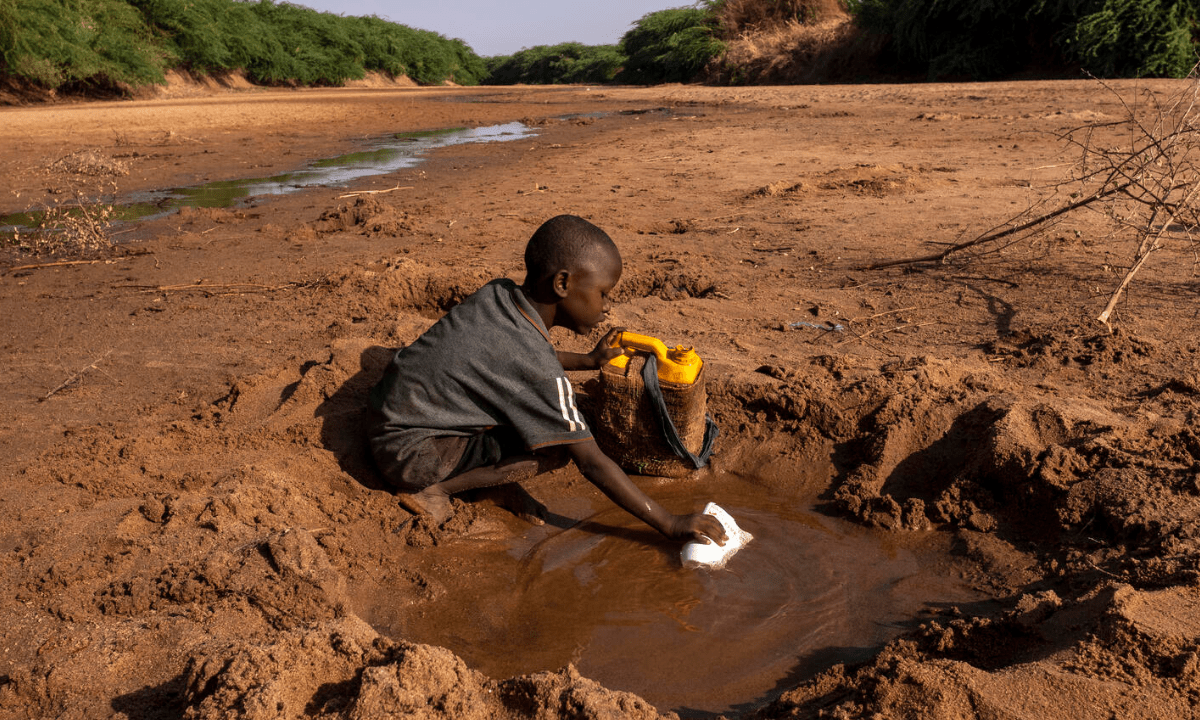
column 190, row 526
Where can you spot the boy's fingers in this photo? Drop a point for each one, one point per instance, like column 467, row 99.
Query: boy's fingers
column 606, row 349
column 610, row 337
column 714, row 530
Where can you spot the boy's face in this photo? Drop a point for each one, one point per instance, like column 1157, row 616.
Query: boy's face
column 585, row 304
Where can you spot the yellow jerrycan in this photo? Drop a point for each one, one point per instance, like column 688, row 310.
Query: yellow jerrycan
column 652, row 409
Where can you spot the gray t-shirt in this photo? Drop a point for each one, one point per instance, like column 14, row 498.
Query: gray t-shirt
column 487, row 363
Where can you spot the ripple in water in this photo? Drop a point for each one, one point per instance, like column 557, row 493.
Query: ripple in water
column 610, row 596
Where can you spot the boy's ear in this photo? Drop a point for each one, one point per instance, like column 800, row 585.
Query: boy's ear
column 559, row 282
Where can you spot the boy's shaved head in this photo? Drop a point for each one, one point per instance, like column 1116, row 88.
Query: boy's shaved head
column 565, row 242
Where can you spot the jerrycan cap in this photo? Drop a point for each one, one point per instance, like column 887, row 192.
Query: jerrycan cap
column 683, row 355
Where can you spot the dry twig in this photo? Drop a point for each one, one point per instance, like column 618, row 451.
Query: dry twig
column 218, row 288
column 59, row 263
column 884, row 331
column 994, row 234
column 74, row 378
column 375, row 192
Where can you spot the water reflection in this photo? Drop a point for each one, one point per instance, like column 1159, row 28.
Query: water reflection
column 399, row 151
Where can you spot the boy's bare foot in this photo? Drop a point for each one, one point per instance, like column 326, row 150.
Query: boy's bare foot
column 432, row 505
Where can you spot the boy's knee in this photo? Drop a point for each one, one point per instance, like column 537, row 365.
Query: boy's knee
column 553, row 458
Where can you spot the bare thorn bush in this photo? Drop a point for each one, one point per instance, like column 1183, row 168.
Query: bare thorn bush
column 1148, row 183
column 747, row 16
column 791, row 51
column 1142, row 172
column 91, row 163
column 78, row 229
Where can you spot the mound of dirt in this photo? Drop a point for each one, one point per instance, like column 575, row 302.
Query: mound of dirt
column 344, row 669
column 375, row 79
column 189, row 215
column 1074, row 345
column 997, row 667
column 365, row 215
column 402, row 284
column 665, row 284
column 181, row 83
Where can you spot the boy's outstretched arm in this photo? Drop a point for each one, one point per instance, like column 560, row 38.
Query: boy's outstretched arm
column 605, row 474
column 602, row 353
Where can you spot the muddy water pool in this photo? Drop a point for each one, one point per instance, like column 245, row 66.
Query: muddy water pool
column 595, row 588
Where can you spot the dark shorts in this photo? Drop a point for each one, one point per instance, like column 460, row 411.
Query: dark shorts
column 414, row 463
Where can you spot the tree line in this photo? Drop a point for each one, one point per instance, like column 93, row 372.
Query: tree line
column 115, row 44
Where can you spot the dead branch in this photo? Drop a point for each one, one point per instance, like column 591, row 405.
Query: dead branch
column 59, row 263
column 882, row 314
column 1149, row 244
column 375, row 192
column 1149, row 183
column 994, row 236
column 884, row 331
column 212, row 287
column 74, row 378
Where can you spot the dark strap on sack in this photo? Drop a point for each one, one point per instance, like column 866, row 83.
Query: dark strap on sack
column 667, row 424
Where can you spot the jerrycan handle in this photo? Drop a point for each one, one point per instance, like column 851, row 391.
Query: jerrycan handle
column 645, row 343
column 679, row 364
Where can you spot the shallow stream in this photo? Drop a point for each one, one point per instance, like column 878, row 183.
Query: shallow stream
column 594, row 588
column 386, row 155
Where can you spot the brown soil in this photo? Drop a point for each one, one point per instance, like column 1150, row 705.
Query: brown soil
column 190, row 527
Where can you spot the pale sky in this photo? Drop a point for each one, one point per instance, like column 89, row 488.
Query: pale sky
column 502, row 28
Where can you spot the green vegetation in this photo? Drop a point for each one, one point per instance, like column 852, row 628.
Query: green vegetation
column 418, row 134
column 1134, row 38
column 665, row 46
column 117, row 44
column 552, row 64
column 87, row 42
column 671, row 45
column 104, row 43
column 1108, row 38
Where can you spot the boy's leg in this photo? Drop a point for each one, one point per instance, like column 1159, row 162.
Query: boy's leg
column 434, row 500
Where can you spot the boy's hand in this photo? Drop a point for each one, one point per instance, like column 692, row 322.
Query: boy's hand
column 605, row 350
column 699, row 527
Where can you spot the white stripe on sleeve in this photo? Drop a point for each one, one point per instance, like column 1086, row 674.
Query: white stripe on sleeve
column 562, row 401
column 571, row 402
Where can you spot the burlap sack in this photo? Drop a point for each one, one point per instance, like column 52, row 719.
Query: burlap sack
column 627, row 428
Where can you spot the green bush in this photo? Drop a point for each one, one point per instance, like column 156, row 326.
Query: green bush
column 1109, row 38
column 950, row 37
column 554, row 64
column 1136, row 38
column 53, row 42
column 466, row 67
column 88, row 42
column 670, row 46
column 317, row 47
column 665, row 46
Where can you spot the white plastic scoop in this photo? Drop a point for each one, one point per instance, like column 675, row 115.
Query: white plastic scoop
column 711, row 555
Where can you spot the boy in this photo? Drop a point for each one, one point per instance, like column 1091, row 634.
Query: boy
column 481, row 398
